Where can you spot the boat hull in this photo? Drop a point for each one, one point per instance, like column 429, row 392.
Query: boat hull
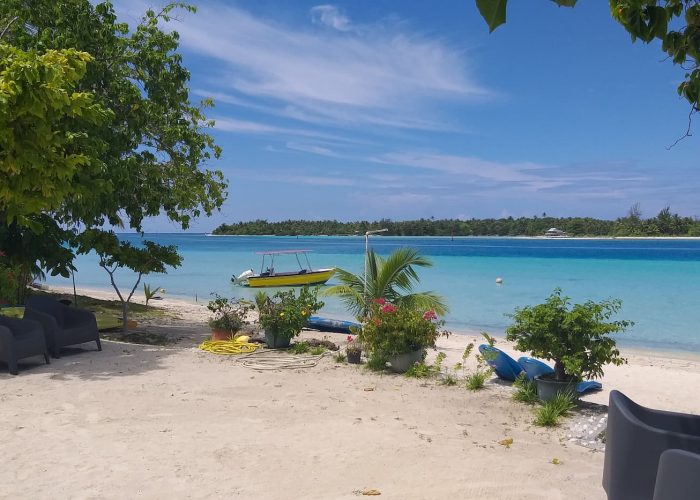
column 291, row 279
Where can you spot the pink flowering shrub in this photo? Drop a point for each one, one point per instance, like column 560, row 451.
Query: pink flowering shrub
column 390, row 330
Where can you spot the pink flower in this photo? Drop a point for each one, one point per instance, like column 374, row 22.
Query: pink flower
column 350, row 339
column 389, row 308
column 430, row 315
column 377, row 321
column 379, row 301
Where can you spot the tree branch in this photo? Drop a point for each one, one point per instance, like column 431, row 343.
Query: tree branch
column 688, row 133
column 6, row 28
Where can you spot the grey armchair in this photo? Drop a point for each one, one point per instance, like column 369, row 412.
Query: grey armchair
column 635, row 439
column 63, row 325
column 21, row 339
column 678, row 476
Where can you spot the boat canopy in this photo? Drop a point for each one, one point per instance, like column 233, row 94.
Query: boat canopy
column 282, row 252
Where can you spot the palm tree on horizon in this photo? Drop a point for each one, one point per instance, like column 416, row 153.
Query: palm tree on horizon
column 392, row 279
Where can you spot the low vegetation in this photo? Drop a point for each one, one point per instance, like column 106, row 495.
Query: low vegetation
column 665, row 223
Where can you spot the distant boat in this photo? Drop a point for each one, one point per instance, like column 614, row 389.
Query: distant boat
column 268, row 276
column 555, row 233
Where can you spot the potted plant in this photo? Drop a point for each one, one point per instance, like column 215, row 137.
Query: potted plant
column 353, row 350
column 229, row 316
column 577, row 338
column 399, row 334
column 283, row 315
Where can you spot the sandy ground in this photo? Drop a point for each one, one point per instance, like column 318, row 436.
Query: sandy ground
column 150, row 422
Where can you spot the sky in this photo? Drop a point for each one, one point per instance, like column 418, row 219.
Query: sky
column 370, row 109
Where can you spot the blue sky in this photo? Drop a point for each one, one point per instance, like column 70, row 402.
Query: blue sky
column 372, row 109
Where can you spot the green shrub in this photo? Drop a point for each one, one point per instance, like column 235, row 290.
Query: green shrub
column 229, row 314
column 577, row 338
column 339, row 357
column 285, row 313
column 391, row 330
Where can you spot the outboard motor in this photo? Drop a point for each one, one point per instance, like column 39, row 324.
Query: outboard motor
column 243, row 276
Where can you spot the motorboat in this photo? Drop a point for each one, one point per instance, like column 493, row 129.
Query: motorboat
column 269, row 276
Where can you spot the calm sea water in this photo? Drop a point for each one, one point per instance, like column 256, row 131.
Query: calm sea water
column 657, row 280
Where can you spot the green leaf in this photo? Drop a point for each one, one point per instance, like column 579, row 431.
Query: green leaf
column 493, row 12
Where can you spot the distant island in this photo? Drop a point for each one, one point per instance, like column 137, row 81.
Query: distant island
column 664, row 224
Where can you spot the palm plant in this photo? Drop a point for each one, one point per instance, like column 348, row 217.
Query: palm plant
column 391, row 279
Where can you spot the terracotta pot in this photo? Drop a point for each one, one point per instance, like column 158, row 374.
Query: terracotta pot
column 220, row 334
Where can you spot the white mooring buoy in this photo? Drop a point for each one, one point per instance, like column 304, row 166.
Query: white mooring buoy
column 499, row 281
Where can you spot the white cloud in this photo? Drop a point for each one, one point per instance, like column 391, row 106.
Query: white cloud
column 383, row 75
column 330, row 16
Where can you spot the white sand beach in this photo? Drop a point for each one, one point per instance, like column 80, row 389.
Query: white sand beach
column 177, row 422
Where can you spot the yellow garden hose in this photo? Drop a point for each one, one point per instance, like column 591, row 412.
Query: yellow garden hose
column 239, row 345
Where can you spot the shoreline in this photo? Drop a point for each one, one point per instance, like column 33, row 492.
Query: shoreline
column 109, row 294
column 520, row 237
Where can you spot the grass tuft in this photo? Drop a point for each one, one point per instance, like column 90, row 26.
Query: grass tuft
column 525, row 391
column 318, row 350
column 376, row 363
column 300, row 348
column 339, row 357
column 551, row 411
column 476, row 380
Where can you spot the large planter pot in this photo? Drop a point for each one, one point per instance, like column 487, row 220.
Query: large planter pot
column 548, row 388
column 400, row 363
column 275, row 340
column 354, row 357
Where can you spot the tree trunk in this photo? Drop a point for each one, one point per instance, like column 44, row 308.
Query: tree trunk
column 125, row 316
column 559, row 373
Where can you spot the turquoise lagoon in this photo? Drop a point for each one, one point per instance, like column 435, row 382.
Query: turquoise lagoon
column 658, row 280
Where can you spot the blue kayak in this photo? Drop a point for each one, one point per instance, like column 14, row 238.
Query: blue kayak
column 331, row 325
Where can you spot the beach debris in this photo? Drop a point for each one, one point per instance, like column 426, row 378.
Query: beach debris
column 371, row 493
column 506, row 442
column 368, row 389
column 556, row 461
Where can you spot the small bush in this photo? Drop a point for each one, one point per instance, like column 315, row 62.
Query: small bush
column 339, row 357
column 525, row 391
column 300, row 348
column 550, row 412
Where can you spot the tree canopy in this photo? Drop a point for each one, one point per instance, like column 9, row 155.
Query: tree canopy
column 676, row 23
column 140, row 147
column 42, row 123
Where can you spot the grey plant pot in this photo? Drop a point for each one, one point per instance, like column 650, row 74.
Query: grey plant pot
column 400, row 363
column 548, row 388
column 276, row 341
column 354, row 357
